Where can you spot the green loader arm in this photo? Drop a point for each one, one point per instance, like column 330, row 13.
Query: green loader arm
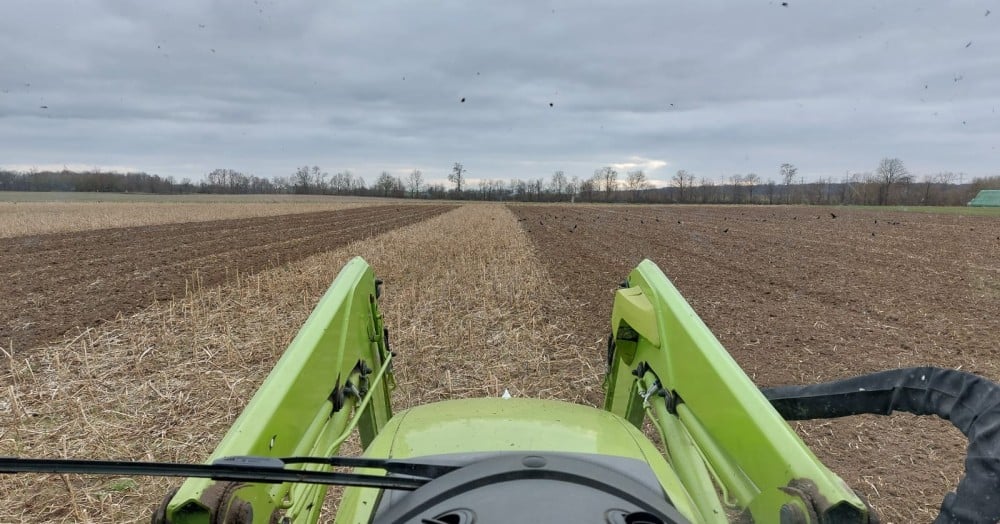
column 334, row 377
column 733, row 452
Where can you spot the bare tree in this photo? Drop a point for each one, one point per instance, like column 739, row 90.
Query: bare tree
column 947, row 177
column 356, row 184
column 707, row 189
column 302, row 179
column 636, row 181
column 751, row 180
column 573, row 187
column 558, row 183
column 218, row 177
column 684, row 181
column 864, row 188
column 852, row 189
column 537, row 186
column 889, row 172
column 414, row 181
column 737, row 182
column 608, row 180
column 495, row 189
column 457, row 176
column 928, row 182
column 939, row 182
column 788, row 172
column 385, row 183
column 518, row 189
column 770, row 191
column 345, row 182
column 587, row 188
column 436, row 190
column 319, row 179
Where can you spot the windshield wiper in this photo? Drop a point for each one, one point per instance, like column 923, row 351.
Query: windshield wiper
column 264, row 470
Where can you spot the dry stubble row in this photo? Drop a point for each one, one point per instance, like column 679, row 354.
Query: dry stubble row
column 38, row 218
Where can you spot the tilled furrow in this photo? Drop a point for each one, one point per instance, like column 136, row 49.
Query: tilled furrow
column 53, row 283
column 802, row 294
column 122, row 248
column 50, row 250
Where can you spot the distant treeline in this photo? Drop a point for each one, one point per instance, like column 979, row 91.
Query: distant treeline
column 91, row 181
column 890, row 184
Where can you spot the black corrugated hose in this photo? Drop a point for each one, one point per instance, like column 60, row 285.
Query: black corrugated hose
column 970, row 402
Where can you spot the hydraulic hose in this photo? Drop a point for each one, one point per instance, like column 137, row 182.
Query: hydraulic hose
column 970, row 402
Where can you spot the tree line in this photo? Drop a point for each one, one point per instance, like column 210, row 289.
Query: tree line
column 305, row 180
column 889, row 183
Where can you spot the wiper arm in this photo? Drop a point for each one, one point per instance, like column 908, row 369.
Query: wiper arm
column 264, row 470
column 427, row 471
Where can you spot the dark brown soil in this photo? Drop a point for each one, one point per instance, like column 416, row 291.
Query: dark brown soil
column 799, row 296
column 53, row 284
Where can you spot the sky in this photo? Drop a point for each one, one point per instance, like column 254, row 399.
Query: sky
column 715, row 88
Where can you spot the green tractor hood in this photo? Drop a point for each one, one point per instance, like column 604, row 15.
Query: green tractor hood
column 460, row 427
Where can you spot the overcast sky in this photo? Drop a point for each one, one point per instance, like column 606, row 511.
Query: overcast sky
column 182, row 87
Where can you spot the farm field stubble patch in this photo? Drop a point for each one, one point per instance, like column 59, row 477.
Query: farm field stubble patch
column 39, row 218
column 803, row 295
column 470, row 310
column 56, row 282
column 193, row 198
column 464, row 291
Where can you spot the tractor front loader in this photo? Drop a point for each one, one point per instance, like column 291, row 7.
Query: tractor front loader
column 728, row 454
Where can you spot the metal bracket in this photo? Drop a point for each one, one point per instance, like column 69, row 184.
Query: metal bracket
column 336, row 397
column 671, row 398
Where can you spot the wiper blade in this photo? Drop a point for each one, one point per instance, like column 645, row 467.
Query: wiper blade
column 264, row 470
column 428, row 471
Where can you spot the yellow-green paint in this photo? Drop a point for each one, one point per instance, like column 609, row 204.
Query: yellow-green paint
column 724, row 429
column 735, row 422
column 291, row 412
column 517, row 424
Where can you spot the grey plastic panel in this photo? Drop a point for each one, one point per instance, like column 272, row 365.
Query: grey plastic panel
column 533, row 487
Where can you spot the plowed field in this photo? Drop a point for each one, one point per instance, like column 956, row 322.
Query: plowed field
column 803, row 295
column 55, row 283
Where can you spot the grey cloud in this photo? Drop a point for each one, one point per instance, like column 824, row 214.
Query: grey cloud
column 714, row 87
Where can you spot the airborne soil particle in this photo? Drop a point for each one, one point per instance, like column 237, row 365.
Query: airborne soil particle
column 796, row 300
column 55, row 283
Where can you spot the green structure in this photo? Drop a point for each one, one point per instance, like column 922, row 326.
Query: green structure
column 727, row 452
column 986, row 198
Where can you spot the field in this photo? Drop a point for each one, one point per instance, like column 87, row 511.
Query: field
column 145, row 342
column 59, row 281
column 805, row 295
column 26, row 213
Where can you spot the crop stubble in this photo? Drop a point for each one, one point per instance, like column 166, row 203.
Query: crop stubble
column 801, row 295
column 470, row 310
column 54, row 283
column 40, row 218
column 792, row 301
